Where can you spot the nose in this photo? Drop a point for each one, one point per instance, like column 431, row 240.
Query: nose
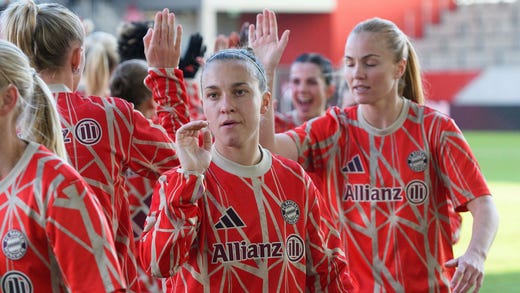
column 358, row 71
column 227, row 104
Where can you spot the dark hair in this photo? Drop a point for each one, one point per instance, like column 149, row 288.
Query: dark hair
column 130, row 43
column 323, row 63
column 128, row 82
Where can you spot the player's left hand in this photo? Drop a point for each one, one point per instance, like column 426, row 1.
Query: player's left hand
column 469, row 274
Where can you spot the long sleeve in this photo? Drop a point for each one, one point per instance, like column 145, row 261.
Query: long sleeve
column 172, row 225
column 169, row 92
column 327, row 269
column 79, row 234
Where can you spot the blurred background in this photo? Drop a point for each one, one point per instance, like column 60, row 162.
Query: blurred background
column 470, row 55
column 469, row 49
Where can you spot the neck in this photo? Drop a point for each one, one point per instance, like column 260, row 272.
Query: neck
column 382, row 114
column 58, row 76
column 11, row 150
column 244, row 156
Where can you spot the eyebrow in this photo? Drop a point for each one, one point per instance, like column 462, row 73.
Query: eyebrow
column 234, row 85
column 364, row 57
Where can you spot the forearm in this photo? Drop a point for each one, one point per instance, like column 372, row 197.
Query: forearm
column 485, row 225
column 169, row 92
column 171, row 229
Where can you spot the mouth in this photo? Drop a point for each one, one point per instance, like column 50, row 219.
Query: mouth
column 228, row 123
column 360, row 89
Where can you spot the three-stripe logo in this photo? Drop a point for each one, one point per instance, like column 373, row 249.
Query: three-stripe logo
column 354, row 166
column 229, row 219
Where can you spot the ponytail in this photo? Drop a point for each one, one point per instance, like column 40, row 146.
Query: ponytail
column 38, row 119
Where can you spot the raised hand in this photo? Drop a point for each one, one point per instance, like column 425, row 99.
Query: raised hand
column 194, row 157
column 263, row 38
column 162, row 44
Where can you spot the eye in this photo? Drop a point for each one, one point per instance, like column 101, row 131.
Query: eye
column 240, row 92
column 211, row 96
column 295, row 81
column 312, row 81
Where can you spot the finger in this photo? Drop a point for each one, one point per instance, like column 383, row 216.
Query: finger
column 251, row 35
column 220, row 43
column 179, row 38
column 284, row 40
column 479, row 282
column 271, row 23
column 147, row 39
column 234, row 39
column 456, row 279
column 171, row 29
column 468, row 281
column 266, row 23
column 164, row 26
column 452, row 263
column 259, row 25
column 207, row 140
column 156, row 28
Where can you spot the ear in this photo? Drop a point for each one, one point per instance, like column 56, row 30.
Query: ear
column 331, row 89
column 266, row 100
column 8, row 99
column 400, row 68
column 76, row 58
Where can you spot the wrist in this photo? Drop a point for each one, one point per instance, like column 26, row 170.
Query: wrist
column 189, row 173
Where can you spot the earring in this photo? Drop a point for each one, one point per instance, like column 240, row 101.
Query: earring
column 75, row 70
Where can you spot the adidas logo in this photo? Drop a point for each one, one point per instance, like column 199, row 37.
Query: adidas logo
column 230, row 219
column 354, row 166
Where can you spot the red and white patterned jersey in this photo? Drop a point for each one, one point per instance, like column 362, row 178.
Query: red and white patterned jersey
column 140, row 190
column 286, row 121
column 243, row 228
column 55, row 237
column 105, row 136
column 388, row 188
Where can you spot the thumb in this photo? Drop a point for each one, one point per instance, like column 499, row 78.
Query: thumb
column 452, row 263
column 207, row 140
column 147, row 38
column 285, row 38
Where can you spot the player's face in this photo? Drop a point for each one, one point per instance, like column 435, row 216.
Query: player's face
column 370, row 68
column 232, row 102
column 308, row 89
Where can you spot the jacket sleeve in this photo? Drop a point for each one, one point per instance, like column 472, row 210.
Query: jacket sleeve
column 152, row 148
column 172, row 224
column 169, row 92
column 327, row 267
column 81, row 239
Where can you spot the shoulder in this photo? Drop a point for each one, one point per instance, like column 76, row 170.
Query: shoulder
column 288, row 164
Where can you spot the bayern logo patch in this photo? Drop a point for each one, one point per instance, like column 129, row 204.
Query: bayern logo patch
column 290, row 211
column 14, row 244
column 417, row 161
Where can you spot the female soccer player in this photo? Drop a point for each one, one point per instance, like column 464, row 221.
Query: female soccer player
column 233, row 217
column 105, row 136
column 389, row 166
column 55, row 237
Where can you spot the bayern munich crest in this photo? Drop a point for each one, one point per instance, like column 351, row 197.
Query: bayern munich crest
column 417, row 161
column 14, row 244
column 290, row 211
